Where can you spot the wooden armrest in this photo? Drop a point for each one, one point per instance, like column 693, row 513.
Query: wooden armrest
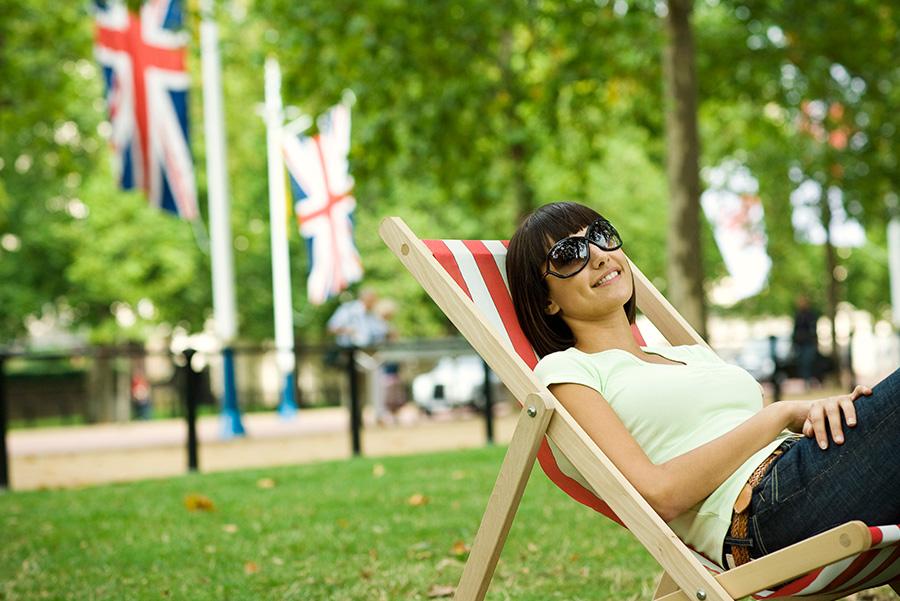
column 798, row 559
column 791, row 562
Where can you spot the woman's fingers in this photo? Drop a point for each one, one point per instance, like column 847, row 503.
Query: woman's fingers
column 825, row 416
column 833, row 412
column 860, row 391
column 849, row 411
column 817, row 418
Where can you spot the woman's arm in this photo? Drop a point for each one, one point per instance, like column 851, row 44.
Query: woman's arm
column 675, row 486
column 680, row 483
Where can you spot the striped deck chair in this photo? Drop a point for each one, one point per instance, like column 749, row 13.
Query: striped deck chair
column 467, row 279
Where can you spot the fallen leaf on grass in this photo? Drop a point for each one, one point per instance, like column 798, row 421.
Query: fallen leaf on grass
column 265, row 483
column 250, row 567
column 441, row 590
column 459, row 548
column 198, row 502
column 378, row 470
column 230, row 528
column 417, row 500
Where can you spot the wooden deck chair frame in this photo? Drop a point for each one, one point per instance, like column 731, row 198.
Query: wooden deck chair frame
column 684, row 577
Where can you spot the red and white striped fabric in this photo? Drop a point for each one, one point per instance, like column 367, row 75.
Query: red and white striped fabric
column 479, row 268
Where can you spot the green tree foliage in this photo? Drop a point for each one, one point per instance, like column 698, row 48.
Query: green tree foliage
column 471, row 114
column 468, row 115
column 45, row 148
column 762, row 63
column 75, row 246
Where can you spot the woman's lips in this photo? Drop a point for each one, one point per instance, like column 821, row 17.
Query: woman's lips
column 610, row 281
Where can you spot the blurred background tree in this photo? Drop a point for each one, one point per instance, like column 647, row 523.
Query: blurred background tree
column 72, row 247
column 468, row 115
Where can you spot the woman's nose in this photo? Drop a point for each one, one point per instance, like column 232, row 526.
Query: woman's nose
column 598, row 256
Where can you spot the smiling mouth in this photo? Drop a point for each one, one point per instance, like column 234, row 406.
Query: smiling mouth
column 612, row 275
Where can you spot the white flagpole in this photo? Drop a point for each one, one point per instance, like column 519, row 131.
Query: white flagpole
column 219, row 215
column 281, row 272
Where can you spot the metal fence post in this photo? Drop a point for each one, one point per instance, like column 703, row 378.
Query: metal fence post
column 4, row 459
column 191, row 390
column 355, row 410
column 488, row 404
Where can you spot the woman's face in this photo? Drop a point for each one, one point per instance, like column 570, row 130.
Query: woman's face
column 601, row 288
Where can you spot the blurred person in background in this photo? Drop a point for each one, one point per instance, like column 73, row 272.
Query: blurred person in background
column 805, row 339
column 390, row 388
column 355, row 324
column 140, row 391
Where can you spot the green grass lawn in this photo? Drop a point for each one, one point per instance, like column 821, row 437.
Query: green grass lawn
column 391, row 528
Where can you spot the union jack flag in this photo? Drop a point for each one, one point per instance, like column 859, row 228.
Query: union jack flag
column 143, row 60
column 321, row 186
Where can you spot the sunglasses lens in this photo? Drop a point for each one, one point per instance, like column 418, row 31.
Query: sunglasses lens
column 568, row 256
column 604, row 235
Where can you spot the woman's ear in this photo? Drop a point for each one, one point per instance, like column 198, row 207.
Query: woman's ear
column 552, row 308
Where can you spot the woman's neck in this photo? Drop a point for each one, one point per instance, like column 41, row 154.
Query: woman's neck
column 596, row 336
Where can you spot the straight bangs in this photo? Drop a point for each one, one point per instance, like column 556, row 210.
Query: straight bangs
column 543, row 228
column 559, row 224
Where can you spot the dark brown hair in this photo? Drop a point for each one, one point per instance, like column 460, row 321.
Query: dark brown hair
column 525, row 268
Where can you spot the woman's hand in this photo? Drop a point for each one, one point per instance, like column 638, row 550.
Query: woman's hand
column 817, row 417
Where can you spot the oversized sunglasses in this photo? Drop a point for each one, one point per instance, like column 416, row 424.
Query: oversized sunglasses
column 569, row 256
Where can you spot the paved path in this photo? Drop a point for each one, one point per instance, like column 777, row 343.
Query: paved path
column 84, row 455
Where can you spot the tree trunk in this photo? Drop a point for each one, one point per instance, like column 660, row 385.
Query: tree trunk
column 685, row 267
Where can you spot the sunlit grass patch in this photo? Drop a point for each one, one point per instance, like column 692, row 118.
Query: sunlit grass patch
column 391, row 528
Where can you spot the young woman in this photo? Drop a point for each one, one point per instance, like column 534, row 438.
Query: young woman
column 688, row 430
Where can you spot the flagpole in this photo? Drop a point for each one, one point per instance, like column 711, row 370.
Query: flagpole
column 224, row 309
column 281, row 272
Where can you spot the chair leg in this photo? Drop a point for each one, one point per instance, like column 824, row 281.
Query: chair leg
column 504, row 501
column 666, row 585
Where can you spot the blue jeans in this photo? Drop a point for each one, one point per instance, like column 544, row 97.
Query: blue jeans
column 808, row 490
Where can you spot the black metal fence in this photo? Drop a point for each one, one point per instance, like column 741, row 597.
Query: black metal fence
column 118, row 384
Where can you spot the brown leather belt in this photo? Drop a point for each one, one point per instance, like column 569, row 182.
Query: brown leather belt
column 741, row 515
